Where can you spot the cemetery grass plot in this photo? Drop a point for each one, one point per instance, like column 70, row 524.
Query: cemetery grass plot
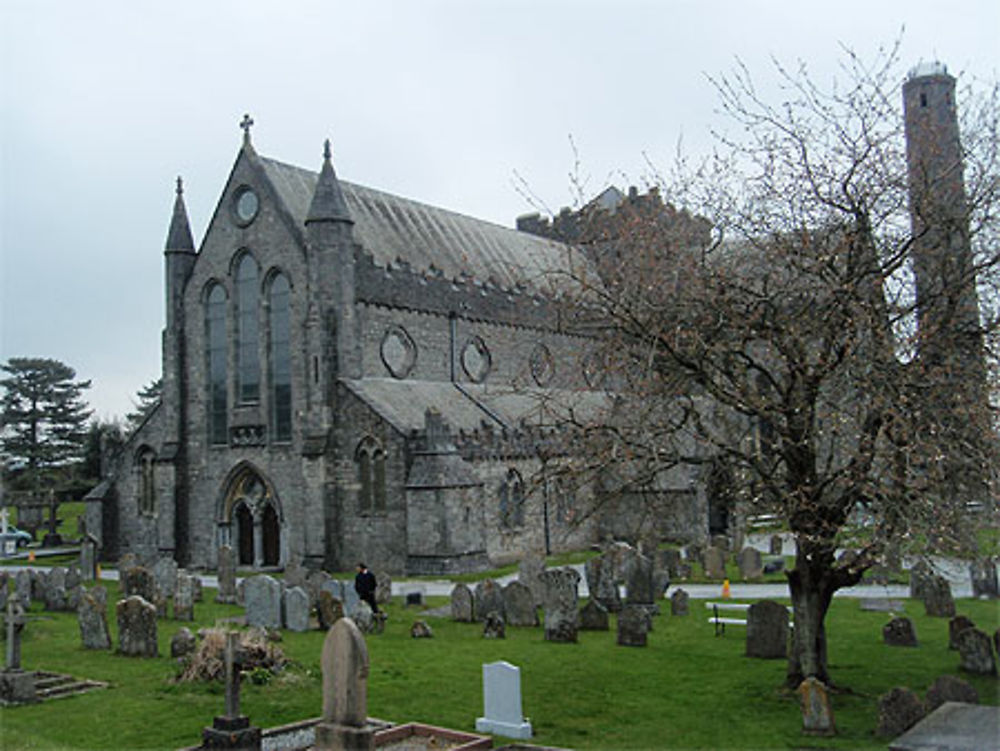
column 686, row 689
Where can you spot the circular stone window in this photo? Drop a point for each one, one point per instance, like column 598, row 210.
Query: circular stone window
column 543, row 366
column 245, row 205
column 476, row 360
column 399, row 353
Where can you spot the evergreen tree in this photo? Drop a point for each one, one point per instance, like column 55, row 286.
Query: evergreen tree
column 147, row 398
column 44, row 418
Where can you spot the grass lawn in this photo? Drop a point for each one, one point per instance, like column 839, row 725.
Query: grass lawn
column 687, row 689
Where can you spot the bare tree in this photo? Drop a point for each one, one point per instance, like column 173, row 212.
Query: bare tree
column 781, row 326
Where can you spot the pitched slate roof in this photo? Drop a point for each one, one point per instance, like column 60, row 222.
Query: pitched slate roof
column 392, row 228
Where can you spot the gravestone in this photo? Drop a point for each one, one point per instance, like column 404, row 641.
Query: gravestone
column 502, row 712
column 949, row 688
column 73, row 597
column 55, row 589
column 165, row 573
column 88, row 558
column 127, row 561
column 329, row 610
column 262, row 596
column 774, row 566
column 226, row 575
column 488, row 599
column 92, row 617
column 4, row 589
column 593, row 617
column 184, row 597
column 182, row 643
column 679, row 602
column 73, row 578
column 602, row 582
column 137, row 627
column 957, row 625
column 348, row 595
column 898, row 711
column 383, row 589
column 100, row 594
column 983, row 574
column 775, row 545
column 232, row 730
column 976, row 652
column 363, row 617
column 560, row 604
column 881, row 605
column 22, row 587
column 519, row 605
column 899, row 632
column 138, row 581
column 314, row 585
column 639, row 589
column 199, row 595
column 669, row 560
column 920, row 576
column 414, row 599
column 528, row 571
column 344, row 724
column 633, row 626
column 421, row 630
column 295, row 574
column 296, row 609
column 750, row 563
column 714, row 563
column 17, row 686
column 462, row 608
column 817, row 712
column 937, row 598
column 767, row 630
column 494, row 626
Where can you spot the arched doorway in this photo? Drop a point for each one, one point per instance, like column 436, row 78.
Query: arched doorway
column 270, row 531
column 250, row 518
column 244, row 535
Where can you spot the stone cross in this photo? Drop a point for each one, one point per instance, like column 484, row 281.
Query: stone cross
column 345, row 690
column 15, row 622
column 246, row 123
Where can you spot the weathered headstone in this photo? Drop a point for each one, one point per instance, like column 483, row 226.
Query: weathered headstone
column 17, row 686
column 519, row 605
column 899, row 632
column 22, row 587
column 462, row 609
column 232, row 730
column 88, row 558
column 55, row 589
column 137, row 627
column 594, row 617
column 750, row 563
column 920, row 575
column 560, row 604
column 494, row 626
column 263, row 601
column 127, row 561
column 957, row 625
column 679, row 602
column 226, row 575
column 714, row 563
column 502, row 712
column 528, row 571
column 363, row 617
column 817, row 711
column 92, row 616
column 344, row 724
column 184, row 597
column 421, row 630
column 138, row 581
column 182, row 643
column 329, row 610
column 633, row 626
column 976, row 652
column 165, row 573
column 383, row 588
column 937, row 598
column 296, row 609
column 314, row 585
column 775, row 545
column 767, row 630
column 949, row 688
column 100, row 594
column 295, row 574
column 602, row 582
column 639, row 589
column 983, row 574
column 488, row 599
column 898, row 711
column 73, row 578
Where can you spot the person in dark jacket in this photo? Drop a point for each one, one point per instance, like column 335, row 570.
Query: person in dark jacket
column 364, row 585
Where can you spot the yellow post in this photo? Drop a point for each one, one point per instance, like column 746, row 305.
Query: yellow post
column 97, row 574
column 31, row 556
column 725, row 589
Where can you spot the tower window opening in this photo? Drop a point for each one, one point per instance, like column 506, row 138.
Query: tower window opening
column 923, row 100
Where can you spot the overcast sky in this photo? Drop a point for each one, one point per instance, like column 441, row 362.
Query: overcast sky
column 103, row 104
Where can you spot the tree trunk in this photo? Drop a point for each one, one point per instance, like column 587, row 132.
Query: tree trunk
column 810, row 583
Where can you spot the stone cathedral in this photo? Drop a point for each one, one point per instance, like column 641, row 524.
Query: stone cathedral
column 351, row 375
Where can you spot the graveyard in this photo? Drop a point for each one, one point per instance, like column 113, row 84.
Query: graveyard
column 679, row 684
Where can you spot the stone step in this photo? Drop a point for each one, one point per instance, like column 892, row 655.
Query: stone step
column 67, row 689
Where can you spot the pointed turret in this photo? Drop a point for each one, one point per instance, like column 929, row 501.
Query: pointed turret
column 179, row 239
column 328, row 204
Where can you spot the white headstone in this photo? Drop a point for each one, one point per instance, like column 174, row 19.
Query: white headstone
column 502, row 702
